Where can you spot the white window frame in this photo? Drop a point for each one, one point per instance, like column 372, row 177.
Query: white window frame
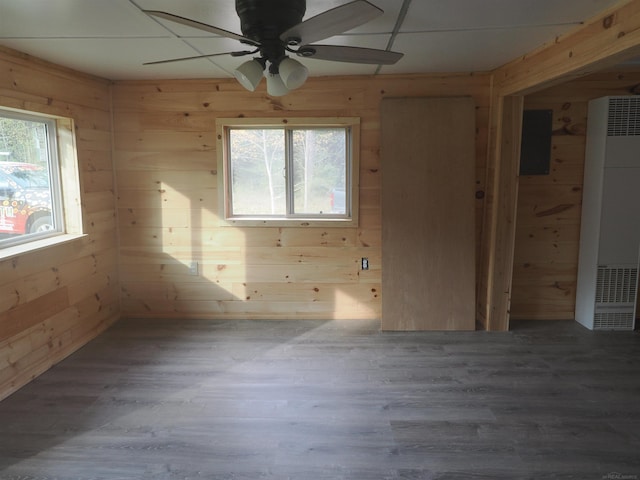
column 64, row 183
column 349, row 219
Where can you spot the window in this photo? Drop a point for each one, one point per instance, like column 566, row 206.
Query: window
column 31, row 197
column 286, row 170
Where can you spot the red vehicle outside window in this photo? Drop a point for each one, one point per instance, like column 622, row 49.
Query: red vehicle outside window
column 25, row 198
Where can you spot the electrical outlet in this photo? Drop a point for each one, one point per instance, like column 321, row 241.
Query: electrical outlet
column 365, row 263
column 193, row 268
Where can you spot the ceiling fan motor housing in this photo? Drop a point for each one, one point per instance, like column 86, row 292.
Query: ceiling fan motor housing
column 265, row 21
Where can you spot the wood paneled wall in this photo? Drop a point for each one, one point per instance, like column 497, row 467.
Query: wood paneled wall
column 549, row 206
column 168, row 201
column 54, row 300
column 609, row 38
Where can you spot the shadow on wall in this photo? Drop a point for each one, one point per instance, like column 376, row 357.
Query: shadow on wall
column 177, row 260
column 171, row 261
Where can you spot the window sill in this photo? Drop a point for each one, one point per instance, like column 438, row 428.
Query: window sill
column 290, row 222
column 15, row 250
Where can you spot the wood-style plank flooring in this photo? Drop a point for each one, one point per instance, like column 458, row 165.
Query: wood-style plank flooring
column 330, row 400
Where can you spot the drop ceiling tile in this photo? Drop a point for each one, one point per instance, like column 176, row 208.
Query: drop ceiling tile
column 74, row 18
column 487, row 14
column 118, row 59
column 464, row 51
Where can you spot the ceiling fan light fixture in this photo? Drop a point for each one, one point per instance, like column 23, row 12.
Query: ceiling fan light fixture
column 292, row 73
column 249, row 74
column 275, row 85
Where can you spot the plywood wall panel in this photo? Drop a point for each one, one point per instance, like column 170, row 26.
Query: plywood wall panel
column 428, row 211
column 164, row 133
column 45, row 295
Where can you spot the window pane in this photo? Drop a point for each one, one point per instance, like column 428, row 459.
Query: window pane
column 319, row 171
column 257, row 164
column 25, row 182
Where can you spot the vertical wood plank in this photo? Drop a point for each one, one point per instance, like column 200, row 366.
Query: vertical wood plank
column 505, row 194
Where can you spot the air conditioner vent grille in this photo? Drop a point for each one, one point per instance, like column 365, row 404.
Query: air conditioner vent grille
column 624, row 117
column 616, row 284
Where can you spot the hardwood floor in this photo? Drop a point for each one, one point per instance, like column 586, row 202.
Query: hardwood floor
column 330, row 400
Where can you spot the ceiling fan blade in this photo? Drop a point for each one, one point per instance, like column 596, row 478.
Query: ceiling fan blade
column 200, row 26
column 233, row 54
column 338, row 53
column 332, row 22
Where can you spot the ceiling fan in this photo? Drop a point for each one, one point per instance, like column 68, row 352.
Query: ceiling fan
column 271, row 29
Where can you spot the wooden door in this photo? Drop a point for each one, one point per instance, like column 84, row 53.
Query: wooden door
column 428, row 233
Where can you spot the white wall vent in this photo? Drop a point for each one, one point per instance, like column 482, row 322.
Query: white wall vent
column 624, row 116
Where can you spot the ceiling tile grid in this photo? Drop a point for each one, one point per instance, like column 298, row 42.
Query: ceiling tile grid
column 114, row 38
